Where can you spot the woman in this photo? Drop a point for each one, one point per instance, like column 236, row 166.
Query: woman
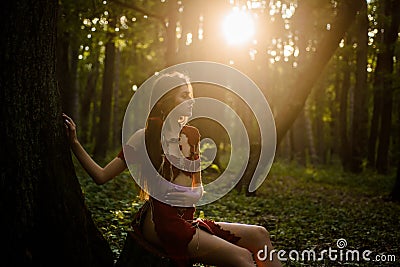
column 168, row 222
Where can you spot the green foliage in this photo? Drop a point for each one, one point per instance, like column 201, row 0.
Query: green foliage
column 302, row 208
column 112, row 206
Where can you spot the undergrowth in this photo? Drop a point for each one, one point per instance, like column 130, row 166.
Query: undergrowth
column 302, row 208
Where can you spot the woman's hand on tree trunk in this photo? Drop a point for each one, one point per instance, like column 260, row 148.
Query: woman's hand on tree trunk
column 70, row 129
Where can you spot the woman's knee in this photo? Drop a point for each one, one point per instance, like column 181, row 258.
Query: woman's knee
column 242, row 257
column 260, row 237
column 262, row 232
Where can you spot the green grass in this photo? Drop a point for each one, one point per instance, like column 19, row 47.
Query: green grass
column 302, row 209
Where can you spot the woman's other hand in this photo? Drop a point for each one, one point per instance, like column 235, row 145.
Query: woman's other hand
column 183, row 196
column 70, row 129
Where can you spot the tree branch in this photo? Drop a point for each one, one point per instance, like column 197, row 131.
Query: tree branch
column 140, row 10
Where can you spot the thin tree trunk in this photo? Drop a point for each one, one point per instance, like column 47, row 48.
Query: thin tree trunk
column 377, row 95
column 44, row 219
column 103, row 131
column 335, row 124
column 116, row 129
column 94, row 116
column 310, row 138
column 376, row 113
column 299, row 139
column 170, row 53
column 88, row 98
column 392, row 9
column 395, row 194
column 344, row 140
column 360, row 111
column 320, row 136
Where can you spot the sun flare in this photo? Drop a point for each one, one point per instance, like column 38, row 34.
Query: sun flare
column 238, row 27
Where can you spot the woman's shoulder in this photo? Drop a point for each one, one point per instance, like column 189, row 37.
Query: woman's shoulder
column 136, row 139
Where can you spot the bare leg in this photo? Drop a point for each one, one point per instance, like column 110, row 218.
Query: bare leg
column 254, row 238
column 210, row 249
column 206, row 248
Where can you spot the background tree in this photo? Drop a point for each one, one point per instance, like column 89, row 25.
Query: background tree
column 390, row 36
column 360, row 112
column 103, row 127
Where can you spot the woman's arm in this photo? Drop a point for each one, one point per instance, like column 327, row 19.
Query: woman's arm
column 99, row 174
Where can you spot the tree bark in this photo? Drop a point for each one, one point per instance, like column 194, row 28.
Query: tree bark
column 304, row 82
column 44, row 219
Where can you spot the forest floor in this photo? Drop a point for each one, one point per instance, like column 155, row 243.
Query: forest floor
column 304, row 209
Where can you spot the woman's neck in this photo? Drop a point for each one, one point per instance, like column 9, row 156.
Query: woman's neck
column 173, row 128
column 171, row 137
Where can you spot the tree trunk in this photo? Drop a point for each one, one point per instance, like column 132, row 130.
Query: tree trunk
column 344, row 92
column 88, row 98
column 116, row 126
column 334, row 136
column 376, row 113
column 360, row 111
column 103, row 131
column 392, row 9
column 44, row 219
column 170, row 53
column 377, row 96
column 312, row 153
column 299, row 139
column 302, row 86
column 321, row 142
column 395, row 194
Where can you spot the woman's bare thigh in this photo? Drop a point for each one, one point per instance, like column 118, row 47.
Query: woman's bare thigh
column 210, row 249
column 252, row 237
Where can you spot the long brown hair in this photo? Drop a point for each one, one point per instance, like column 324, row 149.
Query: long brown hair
column 159, row 112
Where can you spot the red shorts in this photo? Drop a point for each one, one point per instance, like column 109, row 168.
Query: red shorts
column 176, row 227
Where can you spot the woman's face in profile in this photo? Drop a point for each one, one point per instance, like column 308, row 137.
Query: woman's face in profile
column 184, row 93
